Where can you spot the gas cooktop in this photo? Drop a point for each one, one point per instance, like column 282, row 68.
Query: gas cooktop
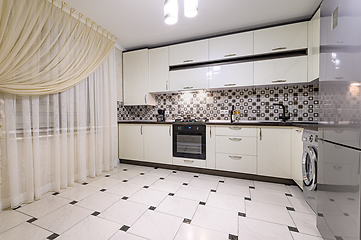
column 191, row 120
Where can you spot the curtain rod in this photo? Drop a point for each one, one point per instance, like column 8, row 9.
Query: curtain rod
column 87, row 21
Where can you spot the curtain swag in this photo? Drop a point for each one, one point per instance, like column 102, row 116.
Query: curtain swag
column 44, row 49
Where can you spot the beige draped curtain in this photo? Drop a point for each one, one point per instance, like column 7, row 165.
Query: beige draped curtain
column 46, row 47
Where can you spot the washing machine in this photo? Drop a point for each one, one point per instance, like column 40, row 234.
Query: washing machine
column 309, row 167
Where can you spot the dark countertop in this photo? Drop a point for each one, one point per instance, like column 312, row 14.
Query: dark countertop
column 307, row 125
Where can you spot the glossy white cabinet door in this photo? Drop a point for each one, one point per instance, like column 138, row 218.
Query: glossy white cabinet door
column 232, row 75
column 280, row 71
column 280, row 39
column 231, row 46
column 159, row 69
column 191, row 52
column 131, row 141
column 314, row 47
column 296, row 159
column 158, row 143
column 274, row 152
column 189, row 79
column 211, row 147
column 135, row 70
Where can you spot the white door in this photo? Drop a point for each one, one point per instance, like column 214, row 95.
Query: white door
column 191, row 52
column 231, row 75
column 231, row 46
column 159, row 70
column 211, row 146
column 189, row 79
column 131, row 141
column 280, row 71
column 274, row 152
column 158, row 143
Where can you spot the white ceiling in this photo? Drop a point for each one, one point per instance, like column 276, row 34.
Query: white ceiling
column 140, row 23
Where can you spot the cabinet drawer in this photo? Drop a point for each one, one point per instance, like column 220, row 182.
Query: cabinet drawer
column 236, row 163
column 191, row 52
column 189, row 162
column 236, row 131
column 188, row 79
column 282, row 38
column 236, row 145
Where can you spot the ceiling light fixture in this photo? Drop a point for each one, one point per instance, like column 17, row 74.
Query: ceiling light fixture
column 190, row 8
column 171, row 11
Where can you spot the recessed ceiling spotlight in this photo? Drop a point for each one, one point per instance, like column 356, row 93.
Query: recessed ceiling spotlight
column 171, row 11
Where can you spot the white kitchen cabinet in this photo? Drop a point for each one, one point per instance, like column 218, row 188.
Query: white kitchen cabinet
column 236, row 145
column 157, row 142
column 296, row 158
column 189, row 79
column 282, row 38
column 236, row 131
column 211, row 146
column 136, row 81
column 188, row 162
column 159, row 69
column 237, row 163
column 280, row 71
column 191, row 52
column 131, row 141
column 314, row 47
column 231, row 75
column 274, row 152
column 231, row 46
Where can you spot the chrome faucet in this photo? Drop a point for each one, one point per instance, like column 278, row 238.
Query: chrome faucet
column 284, row 118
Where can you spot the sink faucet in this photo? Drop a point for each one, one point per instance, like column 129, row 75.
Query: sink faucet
column 284, row 118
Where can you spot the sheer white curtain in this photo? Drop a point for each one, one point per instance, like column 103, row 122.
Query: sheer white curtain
column 51, row 141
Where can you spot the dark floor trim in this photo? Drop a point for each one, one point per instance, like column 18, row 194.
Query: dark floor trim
column 212, row 172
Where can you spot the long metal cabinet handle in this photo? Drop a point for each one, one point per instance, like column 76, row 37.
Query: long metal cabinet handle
column 235, row 139
column 279, row 48
column 145, row 98
column 187, row 87
column 279, row 80
column 141, row 129
column 210, row 132
column 235, row 157
column 229, row 84
column 230, row 55
column 170, row 128
column 166, row 85
column 235, row 128
column 260, row 134
column 188, row 161
column 189, row 60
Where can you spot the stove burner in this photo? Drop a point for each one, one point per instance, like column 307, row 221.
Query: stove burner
column 178, row 120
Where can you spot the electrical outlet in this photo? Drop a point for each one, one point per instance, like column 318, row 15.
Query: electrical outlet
column 225, row 112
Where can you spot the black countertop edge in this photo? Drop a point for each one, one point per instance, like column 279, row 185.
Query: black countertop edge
column 306, row 125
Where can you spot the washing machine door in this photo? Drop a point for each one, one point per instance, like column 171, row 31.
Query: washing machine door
column 309, row 168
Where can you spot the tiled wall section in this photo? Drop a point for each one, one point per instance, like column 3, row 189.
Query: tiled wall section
column 255, row 104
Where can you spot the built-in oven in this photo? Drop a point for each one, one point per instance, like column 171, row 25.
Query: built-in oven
column 189, row 141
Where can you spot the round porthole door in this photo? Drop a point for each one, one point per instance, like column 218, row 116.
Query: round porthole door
column 309, row 168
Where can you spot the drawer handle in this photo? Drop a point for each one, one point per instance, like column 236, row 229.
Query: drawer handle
column 235, row 139
column 279, row 48
column 337, row 167
column 279, row 80
column 229, row 84
column 189, row 60
column 188, row 161
column 230, row 55
column 338, row 77
column 187, row 87
column 235, row 157
column 235, row 128
column 298, row 130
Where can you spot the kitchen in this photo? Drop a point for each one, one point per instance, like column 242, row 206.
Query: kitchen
column 221, row 132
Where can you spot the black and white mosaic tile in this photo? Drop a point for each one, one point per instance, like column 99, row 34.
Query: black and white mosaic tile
column 255, row 104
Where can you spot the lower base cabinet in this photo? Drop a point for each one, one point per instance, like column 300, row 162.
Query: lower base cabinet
column 131, row 141
column 157, row 141
column 296, row 158
column 236, row 163
column 199, row 163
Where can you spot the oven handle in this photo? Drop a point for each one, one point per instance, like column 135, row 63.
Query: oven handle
column 235, row 157
column 235, row 139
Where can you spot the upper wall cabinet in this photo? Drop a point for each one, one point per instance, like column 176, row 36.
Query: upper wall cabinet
column 280, row 71
column 191, row 52
column 231, row 46
column 159, row 69
column 189, row 79
column 231, row 75
column 136, row 90
column 282, row 38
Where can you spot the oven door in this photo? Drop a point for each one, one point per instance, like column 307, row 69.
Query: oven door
column 189, row 141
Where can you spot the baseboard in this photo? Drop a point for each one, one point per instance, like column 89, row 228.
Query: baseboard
column 212, row 172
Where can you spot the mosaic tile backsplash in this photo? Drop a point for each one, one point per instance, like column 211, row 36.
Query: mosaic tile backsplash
column 255, row 104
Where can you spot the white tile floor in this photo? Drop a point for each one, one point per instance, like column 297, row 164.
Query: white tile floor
column 135, row 202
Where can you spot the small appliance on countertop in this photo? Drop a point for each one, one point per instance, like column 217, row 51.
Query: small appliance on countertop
column 161, row 115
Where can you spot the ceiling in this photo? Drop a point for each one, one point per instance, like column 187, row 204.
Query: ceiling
column 140, row 23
